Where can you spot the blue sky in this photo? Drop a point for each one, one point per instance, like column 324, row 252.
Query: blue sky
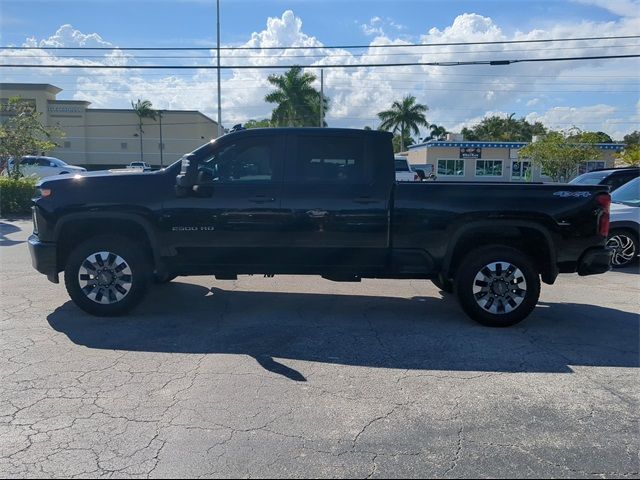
column 598, row 95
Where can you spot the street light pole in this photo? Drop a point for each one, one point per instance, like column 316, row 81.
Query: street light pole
column 218, row 57
column 161, row 144
column 321, row 98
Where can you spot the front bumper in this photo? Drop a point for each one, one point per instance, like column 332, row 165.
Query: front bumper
column 44, row 257
column 595, row 260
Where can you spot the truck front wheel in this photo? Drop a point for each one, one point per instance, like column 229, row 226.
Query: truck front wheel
column 107, row 275
column 498, row 286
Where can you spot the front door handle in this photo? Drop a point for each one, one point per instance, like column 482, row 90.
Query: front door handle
column 365, row 200
column 315, row 213
column 262, row 199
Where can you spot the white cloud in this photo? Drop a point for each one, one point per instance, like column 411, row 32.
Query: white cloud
column 377, row 26
column 67, row 36
column 456, row 96
column 601, row 117
column 624, row 8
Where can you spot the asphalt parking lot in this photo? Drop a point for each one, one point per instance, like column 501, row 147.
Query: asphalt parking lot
column 302, row 377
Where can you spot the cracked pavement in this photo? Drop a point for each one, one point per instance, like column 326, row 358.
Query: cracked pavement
column 302, row 377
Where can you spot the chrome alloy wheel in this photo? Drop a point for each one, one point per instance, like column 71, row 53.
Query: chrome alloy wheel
column 624, row 250
column 105, row 277
column 499, row 287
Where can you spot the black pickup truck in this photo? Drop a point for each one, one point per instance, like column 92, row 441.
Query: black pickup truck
column 318, row 202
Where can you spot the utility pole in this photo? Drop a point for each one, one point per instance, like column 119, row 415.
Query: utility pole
column 161, row 144
column 218, row 56
column 321, row 98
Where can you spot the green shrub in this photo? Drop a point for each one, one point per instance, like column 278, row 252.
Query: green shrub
column 16, row 194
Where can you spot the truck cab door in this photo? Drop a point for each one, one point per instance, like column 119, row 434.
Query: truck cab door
column 336, row 202
column 232, row 216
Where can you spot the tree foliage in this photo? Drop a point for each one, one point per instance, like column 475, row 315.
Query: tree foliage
column 297, row 101
column 400, row 144
column 264, row 123
column 404, row 118
column 23, row 134
column 589, row 137
column 558, row 156
column 437, row 132
column 632, row 138
column 501, row 129
column 630, row 156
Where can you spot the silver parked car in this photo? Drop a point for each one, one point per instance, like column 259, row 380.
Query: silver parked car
column 624, row 229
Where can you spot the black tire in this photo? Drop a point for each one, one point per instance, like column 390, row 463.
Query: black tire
column 445, row 285
column 134, row 279
column 497, row 287
column 625, row 245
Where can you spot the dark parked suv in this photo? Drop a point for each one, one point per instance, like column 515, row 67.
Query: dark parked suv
column 614, row 177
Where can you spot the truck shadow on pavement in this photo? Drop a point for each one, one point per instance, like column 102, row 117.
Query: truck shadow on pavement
column 8, row 229
column 421, row 333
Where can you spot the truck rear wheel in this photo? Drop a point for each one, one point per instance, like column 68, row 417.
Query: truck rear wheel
column 498, row 286
column 107, row 275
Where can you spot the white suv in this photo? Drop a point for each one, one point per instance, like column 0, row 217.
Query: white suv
column 39, row 166
column 625, row 223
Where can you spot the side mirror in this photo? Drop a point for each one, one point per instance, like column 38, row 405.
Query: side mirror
column 188, row 172
column 186, row 179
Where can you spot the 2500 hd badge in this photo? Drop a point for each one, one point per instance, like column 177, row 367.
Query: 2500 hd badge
column 193, row 229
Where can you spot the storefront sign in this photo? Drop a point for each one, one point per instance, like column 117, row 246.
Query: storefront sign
column 471, row 152
column 65, row 109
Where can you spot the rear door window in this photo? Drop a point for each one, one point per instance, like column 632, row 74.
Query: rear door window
column 335, row 159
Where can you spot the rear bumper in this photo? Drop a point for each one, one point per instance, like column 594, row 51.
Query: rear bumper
column 44, row 257
column 594, row 261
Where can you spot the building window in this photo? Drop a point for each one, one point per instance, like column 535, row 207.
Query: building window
column 67, row 144
column 123, row 145
column 451, row 168
column 488, row 168
column 585, row 167
column 521, row 170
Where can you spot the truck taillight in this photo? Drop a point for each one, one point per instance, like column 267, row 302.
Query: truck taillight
column 604, row 200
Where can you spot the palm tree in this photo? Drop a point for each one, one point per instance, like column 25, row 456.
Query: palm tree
column 404, row 117
column 298, row 103
column 143, row 109
column 438, row 132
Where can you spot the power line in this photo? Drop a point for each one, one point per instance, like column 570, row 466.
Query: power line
column 387, row 75
column 330, row 55
column 331, row 47
column 359, row 65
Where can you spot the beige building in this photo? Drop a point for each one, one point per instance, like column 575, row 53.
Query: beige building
column 103, row 137
column 490, row 161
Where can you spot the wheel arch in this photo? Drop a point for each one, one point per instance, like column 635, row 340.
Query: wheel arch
column 73, row 229
column 532, row 239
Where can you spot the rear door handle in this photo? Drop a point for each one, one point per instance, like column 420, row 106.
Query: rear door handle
column 365, row 200
column 262, row 199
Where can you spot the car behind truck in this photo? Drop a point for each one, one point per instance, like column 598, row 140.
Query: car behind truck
column 313, row 202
